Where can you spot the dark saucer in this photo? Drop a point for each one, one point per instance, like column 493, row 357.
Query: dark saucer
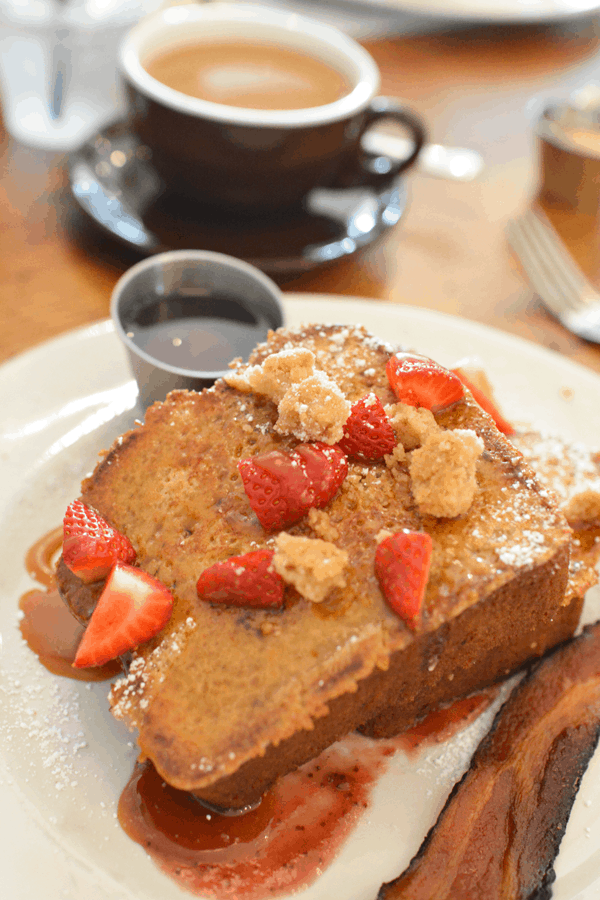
column 114, row 182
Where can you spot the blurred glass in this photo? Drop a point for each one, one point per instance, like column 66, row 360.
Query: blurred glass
column 59, row 80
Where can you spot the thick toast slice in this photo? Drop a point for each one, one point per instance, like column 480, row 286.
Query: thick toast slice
column 227, row 699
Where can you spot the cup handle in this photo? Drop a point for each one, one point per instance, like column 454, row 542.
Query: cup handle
column 375, row 170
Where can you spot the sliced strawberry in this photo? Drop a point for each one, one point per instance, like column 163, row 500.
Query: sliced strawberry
column 247, row 580
column 90, row 545
column 402, row 564
column 325, row 467
column 486, row 404
column 418, row 381
column 282, row 487
column 277, row 488
column 132, row 608
column 368, row 432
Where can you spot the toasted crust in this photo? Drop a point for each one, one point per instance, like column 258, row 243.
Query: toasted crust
column 225, row 700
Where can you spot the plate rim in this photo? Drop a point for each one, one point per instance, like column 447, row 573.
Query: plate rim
column 470, row 11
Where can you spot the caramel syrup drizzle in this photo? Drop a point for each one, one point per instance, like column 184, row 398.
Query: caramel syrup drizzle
column 46, row 625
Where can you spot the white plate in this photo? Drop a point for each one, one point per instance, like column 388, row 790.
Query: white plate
column 479, row 10
column 372, row 19
column 64, row 760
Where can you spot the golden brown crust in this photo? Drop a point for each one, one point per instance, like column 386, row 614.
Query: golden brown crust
column 434, row 670
column 227, row 699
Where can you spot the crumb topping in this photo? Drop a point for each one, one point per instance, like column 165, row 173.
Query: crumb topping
column 310, row 405
column 443, row 472
column 397, row 455
column 320, row 522
column 313, row 410
column 276, row 374
column 584, row 508
column 313, row 566
column 411, row 424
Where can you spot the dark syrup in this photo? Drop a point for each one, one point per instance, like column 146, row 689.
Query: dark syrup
column 196, row 332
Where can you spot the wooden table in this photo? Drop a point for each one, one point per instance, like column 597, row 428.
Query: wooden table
column 480, row 88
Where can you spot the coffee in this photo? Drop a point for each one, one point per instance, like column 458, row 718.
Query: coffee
column 251, row 75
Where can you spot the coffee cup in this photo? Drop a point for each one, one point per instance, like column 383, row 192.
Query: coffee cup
column 250, row 108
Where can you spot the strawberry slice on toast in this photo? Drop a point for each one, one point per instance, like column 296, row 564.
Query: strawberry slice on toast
column 485, row 403
column 325, row 467
column 91, row 546
column 132, row 608
column 419, row 381
column 368, row 433
column 247, row 580
column 402, row 563
column 281, row 487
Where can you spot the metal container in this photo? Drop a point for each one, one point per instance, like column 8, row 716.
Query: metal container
column 184, row 315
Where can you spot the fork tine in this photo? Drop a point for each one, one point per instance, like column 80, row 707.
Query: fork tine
column 555, row 277
column 557, row 261
column 543, row 283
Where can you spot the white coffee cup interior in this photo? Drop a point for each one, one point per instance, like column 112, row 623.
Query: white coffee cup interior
column 189, row 24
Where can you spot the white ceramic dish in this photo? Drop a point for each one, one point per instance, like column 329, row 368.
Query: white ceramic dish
column 64, row 761
column 480, row 10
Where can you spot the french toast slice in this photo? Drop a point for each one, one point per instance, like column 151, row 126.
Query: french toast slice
column 227, row 699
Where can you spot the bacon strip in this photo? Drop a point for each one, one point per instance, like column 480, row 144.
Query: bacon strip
column 500, row 830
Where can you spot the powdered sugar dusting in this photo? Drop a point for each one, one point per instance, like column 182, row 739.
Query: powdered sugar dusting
column 567, row 469
column 525, row 552
column 50, row 738
column 131, row 692
column 55, row 732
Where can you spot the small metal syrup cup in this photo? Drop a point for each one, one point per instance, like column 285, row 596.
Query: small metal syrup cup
column 220, row 303
column 570, row 158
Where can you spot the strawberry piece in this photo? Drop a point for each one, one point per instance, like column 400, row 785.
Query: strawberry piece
column 368, row 432
column 91, row 546
column 418, row 381
column 486, row 404
column 247, row 580
column 277, row 488
column 402, row 563
column 281, row 487
column 131, row 609
column 325, row 467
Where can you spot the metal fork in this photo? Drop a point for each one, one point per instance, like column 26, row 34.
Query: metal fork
column 555, row 276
